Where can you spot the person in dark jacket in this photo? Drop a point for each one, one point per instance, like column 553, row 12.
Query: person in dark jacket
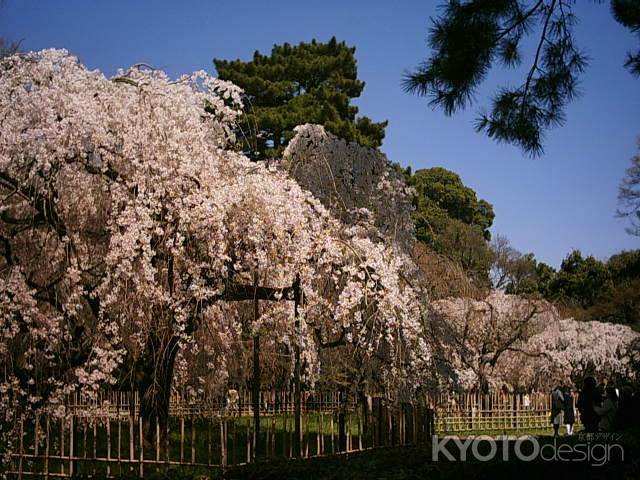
column 569, row 409
column 608, row 411
column 626, row 411
column 589, row 397
column 557, row 407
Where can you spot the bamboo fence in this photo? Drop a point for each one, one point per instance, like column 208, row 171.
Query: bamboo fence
column 109, row 437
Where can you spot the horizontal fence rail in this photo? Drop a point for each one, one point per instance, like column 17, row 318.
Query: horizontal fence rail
column 486, row 412
column 109, row 437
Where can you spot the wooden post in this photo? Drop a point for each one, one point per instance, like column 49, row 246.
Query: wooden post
column 84, row 439
column 273, row 436
column 209, row 420
column 193, row 440
column 342, row 434
column 46, row 452
column 36, row 435
column 247, row 444
column 223, row 442
column 21, row 449
column 296, row 374
column 333, row 447
column 321, row 434
column 108, row 423
column 157, row 441
column 62, row 446
column 307, row 436
column 95, row 443
column 71, row 444
column 131, row 438
column 414, row 426
column 181, row 439
column 318, row 433
column 233, row 442
column 141, row 435
column 349, row 432
column 256, row 379
column 118, row 399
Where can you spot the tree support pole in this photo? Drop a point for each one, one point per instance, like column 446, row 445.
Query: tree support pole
column 297, row 383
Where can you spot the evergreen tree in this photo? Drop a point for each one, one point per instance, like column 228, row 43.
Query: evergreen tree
column 472, row 36
column 308, row 83
column 451, row 220
column 442, row 195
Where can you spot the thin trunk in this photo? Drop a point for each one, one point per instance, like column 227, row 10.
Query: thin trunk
column 256, row 386
column 297, row 382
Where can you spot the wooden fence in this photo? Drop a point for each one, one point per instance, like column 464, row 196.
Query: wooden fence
column 108, row 436
column 497, row 412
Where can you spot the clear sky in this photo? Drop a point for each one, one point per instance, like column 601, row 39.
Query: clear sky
column 564, row 200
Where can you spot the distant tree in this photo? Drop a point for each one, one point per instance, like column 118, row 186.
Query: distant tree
column 620, row 303
column 519, row 273
column 512, row 271
column 8, row 48
column 465, row 245
column 441, row 194
column 307, row 83
column 629, row 196
column 470, row 337
column 581, row 279
column 450, row 220
column 545, row 276
column 471, row 36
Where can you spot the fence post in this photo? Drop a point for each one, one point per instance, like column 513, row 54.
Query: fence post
column 141, row 434
column 108, row 423
column 71, row 447
column 256, row 380
column 297, row 383
column 46, row 452
column 223, row 442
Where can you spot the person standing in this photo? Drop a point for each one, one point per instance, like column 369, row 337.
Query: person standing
column 587, row 398
column 569, row 409
column 557, row 407
column 608, row 410
column 602, row 389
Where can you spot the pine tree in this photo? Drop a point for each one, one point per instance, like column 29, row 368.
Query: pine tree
column 471, row 37
column 308, row 83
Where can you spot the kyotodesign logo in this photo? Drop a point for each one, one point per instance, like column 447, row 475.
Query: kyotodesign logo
column 595, row 450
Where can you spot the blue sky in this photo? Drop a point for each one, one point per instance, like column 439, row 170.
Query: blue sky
column 564, row 200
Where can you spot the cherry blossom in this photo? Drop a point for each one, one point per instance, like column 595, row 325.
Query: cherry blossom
column 130, row 223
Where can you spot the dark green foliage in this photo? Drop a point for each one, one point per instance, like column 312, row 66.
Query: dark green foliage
column 307, row 83
column 589, row 289
column 450, row 220
column 581, row 279
column 627, row 13
column 584, row 287
column 471, row 37
column 442, row 195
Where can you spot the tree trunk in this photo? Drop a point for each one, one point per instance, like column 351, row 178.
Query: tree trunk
column 256, row 392
column 342, row 414
column 154, row 386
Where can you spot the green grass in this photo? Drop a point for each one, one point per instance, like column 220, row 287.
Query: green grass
column 192, row 439
column 276, row 430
